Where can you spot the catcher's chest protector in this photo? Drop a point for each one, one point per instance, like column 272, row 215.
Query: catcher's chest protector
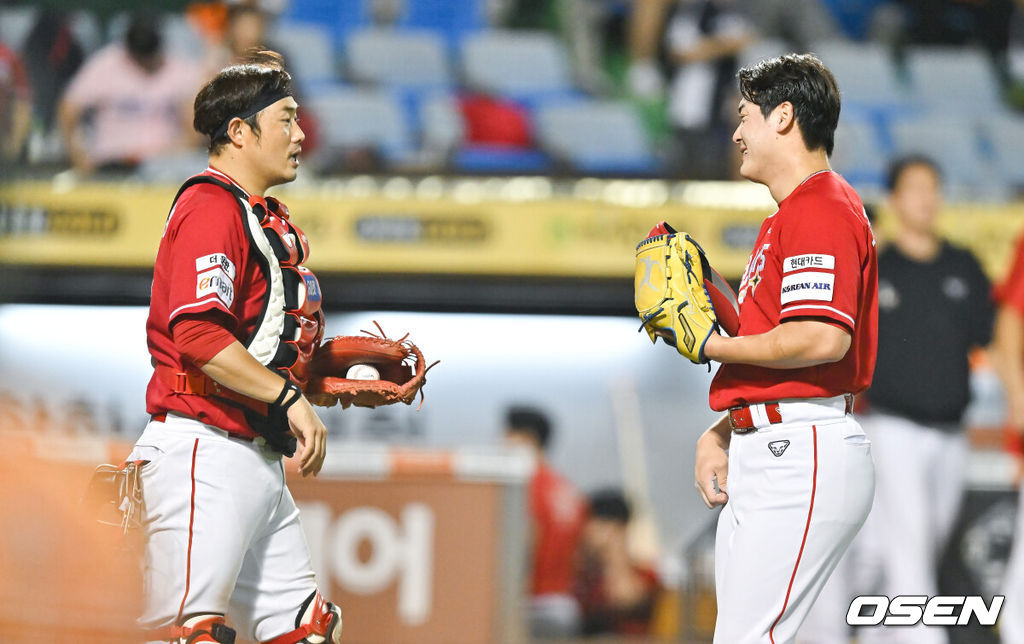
column 291, row 323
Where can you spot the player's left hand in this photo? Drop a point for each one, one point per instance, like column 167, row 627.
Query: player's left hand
column 712, row 470
column 309, row 430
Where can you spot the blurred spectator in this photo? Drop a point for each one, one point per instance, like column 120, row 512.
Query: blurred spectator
column 646, row 24
column 593, row 27
column 242, row 31
column 934, row 306
column 129, row 102
column 244, row 28
column 704, row 39
column 800, row 23
column 616, row 594
column 557, row 511
column 52, row 57
column 15, row 106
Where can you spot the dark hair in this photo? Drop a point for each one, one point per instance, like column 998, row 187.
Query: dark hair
column 610, row 504
column 232, row 91
column 805, row 82
column 529, row 421
column 142, row 38
column 900, row 165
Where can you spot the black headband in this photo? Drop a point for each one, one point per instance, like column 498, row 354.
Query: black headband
column 265, row 99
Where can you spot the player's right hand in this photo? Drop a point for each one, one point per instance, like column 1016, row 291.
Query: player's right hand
column 311, row 434
column 712, row 470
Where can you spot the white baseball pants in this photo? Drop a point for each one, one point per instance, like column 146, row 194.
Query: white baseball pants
column 920, row 473
column 223, row 532
column 798, row 493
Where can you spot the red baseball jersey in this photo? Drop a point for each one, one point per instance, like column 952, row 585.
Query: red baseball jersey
column 1011, row 291
column 203, row 264
column 558, row 513
column 815, row 257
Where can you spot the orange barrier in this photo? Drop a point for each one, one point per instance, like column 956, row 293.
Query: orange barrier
column 63, row 576
column 422, row 546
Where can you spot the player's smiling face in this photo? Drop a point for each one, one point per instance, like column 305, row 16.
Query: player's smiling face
column 753, row 135
column 280, row 142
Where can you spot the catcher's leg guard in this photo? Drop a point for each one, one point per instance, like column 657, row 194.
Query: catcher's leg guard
column 317, row 622
column 197, row 629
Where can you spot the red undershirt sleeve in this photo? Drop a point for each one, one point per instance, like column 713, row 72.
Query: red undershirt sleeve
column 201, row 336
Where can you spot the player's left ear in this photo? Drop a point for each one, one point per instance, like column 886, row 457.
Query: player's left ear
column 782, row 117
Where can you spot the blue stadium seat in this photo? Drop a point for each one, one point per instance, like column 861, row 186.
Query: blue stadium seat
column 605, row 137
column 957, row 79
column 853, row 16
column 452, row 19
column 1005, row 137
column 954, row 143
column 181, row 37
column 309, row 51
column 415, row 59
column 866, row 73
column 339, row 18
column 86, row 28
column 499, row 159
column 15, row 25
column 763, row 48
column 362, row 118
column 860, row 155
column 526, row 65
column 441, row 123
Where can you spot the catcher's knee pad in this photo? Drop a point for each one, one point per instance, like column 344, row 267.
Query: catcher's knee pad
column 201, row 628
column 317, row 622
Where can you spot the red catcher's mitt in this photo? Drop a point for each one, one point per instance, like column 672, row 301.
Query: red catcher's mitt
column 400, row 363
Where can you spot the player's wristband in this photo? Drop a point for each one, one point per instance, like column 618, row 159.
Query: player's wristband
column 283, row 402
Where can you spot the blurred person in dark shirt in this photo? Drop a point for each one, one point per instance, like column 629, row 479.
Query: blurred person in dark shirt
column 52, row 56
column 705, row 38
column 617, row 595
column 15, row 105
column 557, row 513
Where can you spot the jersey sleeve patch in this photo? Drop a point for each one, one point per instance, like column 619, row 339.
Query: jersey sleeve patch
column 215, row 282
column 799, row 262
column 216, row 259
column 811, row 285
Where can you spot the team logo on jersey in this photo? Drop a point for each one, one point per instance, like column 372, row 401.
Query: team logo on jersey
column 778, row 447
column 752, row 275
column 216, row 282
column 810, row 285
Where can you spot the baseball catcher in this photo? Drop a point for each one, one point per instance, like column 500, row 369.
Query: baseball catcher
column 679, row 297
column 400, row 364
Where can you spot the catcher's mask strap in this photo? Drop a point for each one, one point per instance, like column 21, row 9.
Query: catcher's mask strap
column 261, row 102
